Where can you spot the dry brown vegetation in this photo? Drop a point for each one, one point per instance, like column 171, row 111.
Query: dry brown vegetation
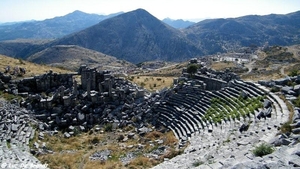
column 152, row 83
column 32, row 69
column 71, row 57
column 222, row 65
column 74, row 152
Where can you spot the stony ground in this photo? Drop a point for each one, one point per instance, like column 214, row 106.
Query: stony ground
column 15, row 134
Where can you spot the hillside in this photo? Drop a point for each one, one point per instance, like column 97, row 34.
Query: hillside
column 71, row 57
column 135, row 36
column 32, row 69
column 21, row 48
column 222, row 35
column 51, row 28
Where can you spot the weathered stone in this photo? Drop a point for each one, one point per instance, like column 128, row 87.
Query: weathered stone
column 130, row 135
column 294, row 162
column 14, row 127
column 244, row 127
column 67, row 135
column 41, row 135
column 82, row 128
column 267, row 103
column 285, row 142
column 296, row 130
column 71, row 128
column 295, row 125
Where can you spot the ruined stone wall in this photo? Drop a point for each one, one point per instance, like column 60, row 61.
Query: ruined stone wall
column 45, row 82
column 212, row 84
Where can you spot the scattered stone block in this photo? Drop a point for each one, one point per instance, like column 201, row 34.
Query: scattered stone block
column 67, row 135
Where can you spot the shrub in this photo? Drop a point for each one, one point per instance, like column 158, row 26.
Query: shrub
column 263, row 149
column 95, row 140
column 197, row 163
column 294, row 72
column 108, row 127
column 192, row 69
column 143, row 84
column 285, row 128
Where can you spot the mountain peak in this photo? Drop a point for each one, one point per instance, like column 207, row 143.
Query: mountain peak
column 140, row 12
column 76, row 13
column 135, row 36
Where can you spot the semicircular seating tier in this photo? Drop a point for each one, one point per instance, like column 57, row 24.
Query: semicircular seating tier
column 190, row 110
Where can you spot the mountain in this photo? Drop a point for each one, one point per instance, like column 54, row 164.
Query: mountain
column 22, row 48
column 72, row 56
column 136, row 36
column 222, row 35
column 178, row 24
column 51, row 28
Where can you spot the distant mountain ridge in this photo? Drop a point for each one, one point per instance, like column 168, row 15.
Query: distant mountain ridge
column 135, row 36
column 222, row 35
column 138, row 36
column 178, row 23
column 51, row 28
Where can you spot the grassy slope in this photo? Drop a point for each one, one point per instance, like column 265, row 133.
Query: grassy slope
column 32, row 69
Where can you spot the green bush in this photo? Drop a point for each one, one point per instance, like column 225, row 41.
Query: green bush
column 285, row 128
column 263, row 149
column 294, row 72
column 108, row 127
column 95, row 140
column 197, row 163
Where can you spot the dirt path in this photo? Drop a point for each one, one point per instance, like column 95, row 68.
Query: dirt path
column 249, row 66
column 282, row 70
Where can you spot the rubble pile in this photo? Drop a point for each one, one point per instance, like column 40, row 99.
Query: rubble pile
column 17, row 128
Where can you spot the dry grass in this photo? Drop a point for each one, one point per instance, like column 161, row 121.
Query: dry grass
column 222, row 65
column 262, row 76
column 32, row 69
column 154, row 135
column 75, row 151
column 141, row 163
column 62, row 160
column 106, row 165
column 152, row 83
column 170, row 139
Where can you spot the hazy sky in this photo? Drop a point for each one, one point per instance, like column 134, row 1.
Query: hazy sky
column 20, row 10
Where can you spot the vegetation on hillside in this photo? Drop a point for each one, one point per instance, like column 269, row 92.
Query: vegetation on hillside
column 32, row 69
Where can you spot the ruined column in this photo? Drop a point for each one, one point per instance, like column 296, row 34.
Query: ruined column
column 109, row 88
column 88, row 87
column 61, row 91
column 93, row 80
column 83, row 74
column 75, row 90
column 100, row 88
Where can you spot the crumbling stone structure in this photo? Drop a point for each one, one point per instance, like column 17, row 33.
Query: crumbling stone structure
column 186, row 109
